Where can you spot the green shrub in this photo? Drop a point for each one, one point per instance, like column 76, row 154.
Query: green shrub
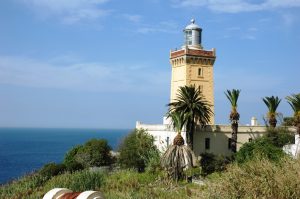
column 288, row 121
column 211, row 163
column 74, row 166
column 52, row 169
column 92, row 153
column 280, row 136
column 262, row 147
column 137, row 150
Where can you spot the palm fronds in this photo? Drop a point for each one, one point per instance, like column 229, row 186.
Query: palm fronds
column 192, row 107
column 177, row 159
column 233, row 96
column 272, row 103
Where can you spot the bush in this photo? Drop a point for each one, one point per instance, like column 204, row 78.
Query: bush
column 137, row 150
column 258, row 178
column 92, row 153
column 280, row 136
column 211, row 163
column 262, row 147
column 288, row 121
column 51, row 169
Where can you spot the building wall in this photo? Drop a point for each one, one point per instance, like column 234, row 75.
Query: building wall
column 218, row 137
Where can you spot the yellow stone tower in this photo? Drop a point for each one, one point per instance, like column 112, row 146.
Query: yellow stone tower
column 192, row 65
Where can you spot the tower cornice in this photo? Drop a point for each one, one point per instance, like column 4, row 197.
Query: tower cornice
column 193, row 52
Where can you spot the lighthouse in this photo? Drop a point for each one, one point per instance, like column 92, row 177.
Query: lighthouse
column 193, row 65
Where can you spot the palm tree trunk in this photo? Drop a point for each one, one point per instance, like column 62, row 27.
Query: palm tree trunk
column 192, row 135
column 272, row 122
column 234, row 126
column 189, row 134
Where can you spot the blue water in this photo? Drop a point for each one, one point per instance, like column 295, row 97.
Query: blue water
column 23, row 150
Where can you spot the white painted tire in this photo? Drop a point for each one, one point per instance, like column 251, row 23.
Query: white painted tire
column 56, row 193
column 90, row 195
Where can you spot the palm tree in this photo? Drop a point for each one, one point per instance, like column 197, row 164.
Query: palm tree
column 177, row 122
column 294, row 101
column 272, row 103
column 234, row 116
column 194, row 109
column 178, row 157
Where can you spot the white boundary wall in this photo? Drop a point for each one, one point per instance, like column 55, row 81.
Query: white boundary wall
column 218, row 136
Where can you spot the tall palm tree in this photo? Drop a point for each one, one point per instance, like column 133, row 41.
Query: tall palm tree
column 272, row 103
column 233, row 96
column 191, row 104
column 294, row 101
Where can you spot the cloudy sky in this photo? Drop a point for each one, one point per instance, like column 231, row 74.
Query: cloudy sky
column 105, row 63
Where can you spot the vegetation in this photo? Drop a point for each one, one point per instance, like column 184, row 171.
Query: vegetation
column 92, row 154
column 178, row 157
column 191, row 104
column 294, row 101
column 122, row 184
column 258, row 178
column 137, row 150
column 268, row 147
column 260, row 147
column 211, row 163
column 288, row 121
column 272, row 103
column 233, row 96
column 52, row 169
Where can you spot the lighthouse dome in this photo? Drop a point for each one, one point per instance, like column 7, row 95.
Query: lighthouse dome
column 192, row 26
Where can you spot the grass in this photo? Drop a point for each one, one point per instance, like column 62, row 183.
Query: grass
column 258, row 178
column 119, row 184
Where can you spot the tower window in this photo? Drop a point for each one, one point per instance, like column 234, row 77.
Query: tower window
column 200, row 87
column 207, row 143
column 200, row 72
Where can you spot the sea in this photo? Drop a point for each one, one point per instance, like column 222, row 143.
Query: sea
column 25, row 150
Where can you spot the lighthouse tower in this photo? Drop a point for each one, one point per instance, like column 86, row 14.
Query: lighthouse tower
column 192, row 65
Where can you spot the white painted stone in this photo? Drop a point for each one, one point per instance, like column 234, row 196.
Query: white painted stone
column 293, row 149
column 90, row 195
column 56, row 193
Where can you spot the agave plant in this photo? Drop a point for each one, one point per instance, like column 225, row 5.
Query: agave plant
column 294, row 101
column 233, row 96
column 178, row 157
column 272, row 103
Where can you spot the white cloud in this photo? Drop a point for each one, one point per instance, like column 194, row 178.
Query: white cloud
column 133, row 18
column 89, row 76
column 242, row 33
column 161, row 27
column 235, row 6
column 288, row 19
column 69, row 11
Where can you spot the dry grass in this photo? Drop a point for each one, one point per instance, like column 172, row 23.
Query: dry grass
column 259, row 178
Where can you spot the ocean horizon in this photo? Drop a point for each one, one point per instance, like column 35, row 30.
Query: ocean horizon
column 25, row 150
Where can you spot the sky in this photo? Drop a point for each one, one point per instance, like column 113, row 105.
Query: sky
column 105, row 63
